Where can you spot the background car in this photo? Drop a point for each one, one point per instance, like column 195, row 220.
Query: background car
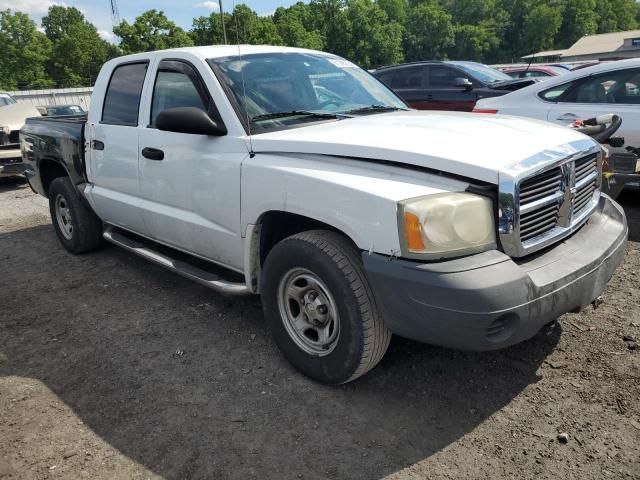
column 612, row 87
column 449, row 85
column 534, row 71
column 61, row 110
column 12, row 117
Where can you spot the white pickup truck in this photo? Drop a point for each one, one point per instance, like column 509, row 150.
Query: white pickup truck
column 298, row 176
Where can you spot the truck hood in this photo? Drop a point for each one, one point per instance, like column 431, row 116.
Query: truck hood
column 476, row 146
column 14, row 115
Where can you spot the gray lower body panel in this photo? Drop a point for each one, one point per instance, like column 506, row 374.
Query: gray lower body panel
column 489, row 301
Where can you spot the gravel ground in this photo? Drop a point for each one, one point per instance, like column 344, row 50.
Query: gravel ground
column 113, row 368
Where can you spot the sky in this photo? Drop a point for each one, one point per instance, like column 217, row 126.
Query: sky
column 98, row 12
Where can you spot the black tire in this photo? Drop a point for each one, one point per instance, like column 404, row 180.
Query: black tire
column 85, row 233
column 363, row 338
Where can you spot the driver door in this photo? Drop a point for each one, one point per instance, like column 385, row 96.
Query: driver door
column 189, row 183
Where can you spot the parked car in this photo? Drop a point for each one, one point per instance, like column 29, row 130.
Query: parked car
column 611, row 87
column 298, row 176
column 60, row 110
column 12, row 117
column 449, row 85
column 534, row 71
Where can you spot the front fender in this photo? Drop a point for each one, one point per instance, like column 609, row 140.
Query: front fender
column 357, row 197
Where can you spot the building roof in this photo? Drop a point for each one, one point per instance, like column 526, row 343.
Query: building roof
column 548, row 53
column 596, row 44
column 602, row 43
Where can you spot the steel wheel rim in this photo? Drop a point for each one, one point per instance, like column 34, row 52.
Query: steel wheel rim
column 63, row 216
column 308, row 312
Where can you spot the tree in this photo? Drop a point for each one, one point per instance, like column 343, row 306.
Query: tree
column 58, row 20
column 77, row 52
column 396, row 10
column 617, row 15
column 151, row 31
column 208, row 30
column 291, row 24
column 429, row 32
column 374, row 40
column 579, row 18
column 247, row 27
column 24, row 52
column 541, row 26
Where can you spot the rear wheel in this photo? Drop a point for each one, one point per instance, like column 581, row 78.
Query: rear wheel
column 78, row 228
column 320, row 308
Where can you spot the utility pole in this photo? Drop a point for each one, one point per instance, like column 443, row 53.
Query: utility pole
column 224, row 30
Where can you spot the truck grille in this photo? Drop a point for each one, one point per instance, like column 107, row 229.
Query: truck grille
column 557, row 196
column 539, row 209
column 539, row 203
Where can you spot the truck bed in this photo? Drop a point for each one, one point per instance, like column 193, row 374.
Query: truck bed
column 57, row 140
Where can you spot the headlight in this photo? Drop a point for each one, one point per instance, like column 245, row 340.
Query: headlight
column 446, row 225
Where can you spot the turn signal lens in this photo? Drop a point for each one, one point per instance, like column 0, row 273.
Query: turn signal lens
column 412, row 231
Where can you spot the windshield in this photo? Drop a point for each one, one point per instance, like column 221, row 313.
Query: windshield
column 284, row 89
column 482, row 72
column 6, row 100
column 66, row 110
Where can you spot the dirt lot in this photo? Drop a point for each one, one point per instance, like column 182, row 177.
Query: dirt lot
column 113, row 368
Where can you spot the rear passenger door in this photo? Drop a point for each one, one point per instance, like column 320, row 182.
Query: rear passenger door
column 114, row 148
column 616, row 91
column 408, row 83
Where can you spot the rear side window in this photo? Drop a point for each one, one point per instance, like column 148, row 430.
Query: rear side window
column 554, row 93
column 408, row 77
column 122, row 101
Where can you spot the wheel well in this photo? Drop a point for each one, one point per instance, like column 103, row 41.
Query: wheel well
column 49, row 170
column 278, row 225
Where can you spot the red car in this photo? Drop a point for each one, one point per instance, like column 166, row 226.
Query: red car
column 534, row 71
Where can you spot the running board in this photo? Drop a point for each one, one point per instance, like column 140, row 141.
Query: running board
column 208, row 279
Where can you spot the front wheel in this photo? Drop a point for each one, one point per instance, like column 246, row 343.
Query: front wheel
column 78, row 228
column 320, row 308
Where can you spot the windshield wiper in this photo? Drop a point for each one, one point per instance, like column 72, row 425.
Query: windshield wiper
column 294, row 113
column 374, row 108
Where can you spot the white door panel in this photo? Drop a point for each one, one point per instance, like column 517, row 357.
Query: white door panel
column 191, row 198
column 115, row 174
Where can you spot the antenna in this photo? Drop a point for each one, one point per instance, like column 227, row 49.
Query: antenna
column 115, row 15
column 244, row 88
column 224, row 30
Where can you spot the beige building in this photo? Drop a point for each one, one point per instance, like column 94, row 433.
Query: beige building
column 604, row 46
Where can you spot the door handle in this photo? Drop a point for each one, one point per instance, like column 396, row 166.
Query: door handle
column 567, row 117
column 97, row 145
column 152, row 153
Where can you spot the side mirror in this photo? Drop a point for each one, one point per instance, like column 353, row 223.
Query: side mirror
column 463, row 83
column 189, row 120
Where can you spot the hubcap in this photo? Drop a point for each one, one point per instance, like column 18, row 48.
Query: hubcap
column 63, row 217
column 308, row 312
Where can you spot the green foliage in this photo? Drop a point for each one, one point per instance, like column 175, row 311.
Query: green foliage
column 77, row 52
column 24, row 52
column 430, row 32
column 541, row 25
column 151, row 31
column 70, row 52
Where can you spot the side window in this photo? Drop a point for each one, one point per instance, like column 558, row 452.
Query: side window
column 122, row 101
column 385, row 78
column 441, row 76
column 176, row 86
column 408, row 77
column 556, row 92
column 617, row 87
